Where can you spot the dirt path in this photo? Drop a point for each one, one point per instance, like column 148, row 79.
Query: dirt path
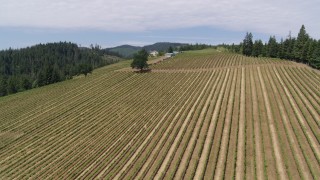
column 208, row 142
column 192, row 142
column 166, row 161
column 219, row 171
column 241, row 136
column 314, row 143
column 128, row 69
column 249, row 131
column 257, row 136
column 279, row 160
column 155, row 61
column 291, row 136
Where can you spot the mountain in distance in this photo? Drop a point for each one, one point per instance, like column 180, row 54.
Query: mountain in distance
column 127, row 51
column 163, row 46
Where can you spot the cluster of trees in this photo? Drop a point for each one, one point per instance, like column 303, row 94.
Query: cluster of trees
column 22, row 69
column 301, row 49
column 197, row 46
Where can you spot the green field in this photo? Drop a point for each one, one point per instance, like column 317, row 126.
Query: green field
column 202, row 114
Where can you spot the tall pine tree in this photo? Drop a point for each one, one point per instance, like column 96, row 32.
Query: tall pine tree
column 272, row 47
column 257, row 48
column 248, row 45
column 299, row 46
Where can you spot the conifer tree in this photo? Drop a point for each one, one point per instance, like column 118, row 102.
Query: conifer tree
column 257, row 48
column 300, row 44
column 281, row 49
column 311, row 50
column 248, row 44
column 272, row 47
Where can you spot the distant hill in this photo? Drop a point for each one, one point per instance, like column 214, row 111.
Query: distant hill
column 127, row 51
column 163, row 46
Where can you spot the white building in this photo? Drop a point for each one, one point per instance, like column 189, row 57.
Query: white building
column 154, row 53
column 176, row 52
column 168, row 55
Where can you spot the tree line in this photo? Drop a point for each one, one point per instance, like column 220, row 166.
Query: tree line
column 302, row 49
column 43, row 64
column 190, row 47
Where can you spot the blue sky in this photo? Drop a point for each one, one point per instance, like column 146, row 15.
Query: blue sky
column 141, row 22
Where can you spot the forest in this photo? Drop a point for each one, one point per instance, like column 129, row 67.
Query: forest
column 43, row 64
column 302, row 49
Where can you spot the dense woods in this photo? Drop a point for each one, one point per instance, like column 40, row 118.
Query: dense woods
column 22, row 69
column 302, row 48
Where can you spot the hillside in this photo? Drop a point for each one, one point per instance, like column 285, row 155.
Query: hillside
column 43, row 64
column 200, row 114
column 163, row 46
column 127, row 51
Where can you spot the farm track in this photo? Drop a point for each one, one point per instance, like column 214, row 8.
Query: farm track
column 202, row 69
column 199, row 115
column 257, row 132
column 249, row 146
column 275, row 143
column 241, row 134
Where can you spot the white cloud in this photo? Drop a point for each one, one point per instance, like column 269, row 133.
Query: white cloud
column 265, row 16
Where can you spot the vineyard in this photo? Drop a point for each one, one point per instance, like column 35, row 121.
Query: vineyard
column 199, row 115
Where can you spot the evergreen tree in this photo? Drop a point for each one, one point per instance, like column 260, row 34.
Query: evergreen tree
column 3, row 86
column 257, row 48
column 281, row 49
column 85, row 69
column 25, row 84
column 272, row 47
column 316, row 56
column 170, row 50
column 12, row 85
column 288, row 46
column 299, row 46
column 248, row 45
column 311, row 50
column 304, row 55
column 265, row 50
column 291, row 48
